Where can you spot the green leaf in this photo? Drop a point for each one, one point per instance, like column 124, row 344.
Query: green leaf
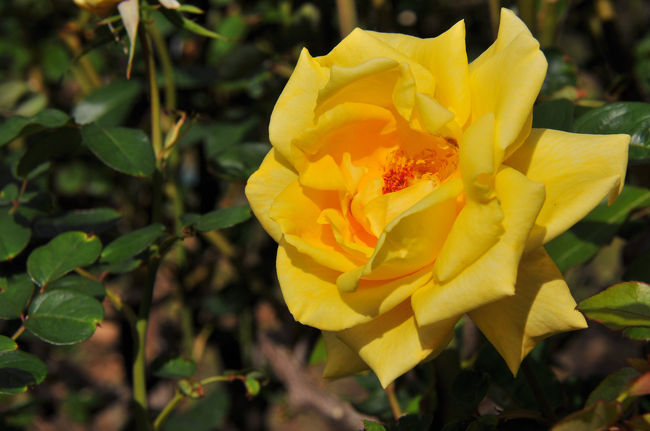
column 64, row 316
column 17, row 126
column 125, row 150
column 223, row 218
column 641, row 334
column 18, row 370
column 15, row 292
column 109, row 105
column 181, row 21
column 373, row 426
column 175, row 368
column 612, row 385
column 632, row 118
column 7, row 344
column 131, row 244
column 79, row 284
column 556, row 114
column 620, row 306
column 9, row 193
column 61, row 255
column 582, row 241
column 46, row 146
column 597, row 416
column 240, row 161
column 221, row 136
column 95, row 220
column 190, row 9
column 14, row 237
column 120, row 267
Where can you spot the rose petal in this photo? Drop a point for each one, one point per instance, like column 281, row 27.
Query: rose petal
column 478, row 226
column 360, row 46
column 294, row 111
column 405, row 246
column 310, row 291
column 446, row 58
column 493, row 275
column 578, row 171
column 341, row 360
column 505, row 80
column 272, row 177
column 541, row 306
column 297, row 210
column 393, row 343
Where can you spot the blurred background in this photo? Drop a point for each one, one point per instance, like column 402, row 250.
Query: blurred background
column 217, row 303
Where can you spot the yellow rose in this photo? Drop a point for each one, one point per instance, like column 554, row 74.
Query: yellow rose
column 99, row 7
column 406, row 188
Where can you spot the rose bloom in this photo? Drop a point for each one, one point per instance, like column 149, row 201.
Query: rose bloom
column 406, row 188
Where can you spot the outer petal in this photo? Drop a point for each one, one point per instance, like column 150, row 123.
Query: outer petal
column 542, row 306
column 294, row 110
column 578, row 171
column 446, row 58
column 505, row 80
column 341, row 360
column 393, row 343
column 493, row 275
column 313, row 298
column 272, row 177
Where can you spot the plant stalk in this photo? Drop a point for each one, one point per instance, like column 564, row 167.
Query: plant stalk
column 169, row 408
column 167, row 68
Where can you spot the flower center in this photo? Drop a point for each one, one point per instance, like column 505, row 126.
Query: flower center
column 433, row 164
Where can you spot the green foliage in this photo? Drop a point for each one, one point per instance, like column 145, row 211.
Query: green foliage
column 126, row 150
column 15, row 293
column 597, row 229
column 18, row 370
column 108, row 105
column 173, row 368
column 621, row 306
column 223, row 218
column 18, row 125
column 61, row 255
column 632, row 118
column 131, row 244
column 597, row 416
column 14, row 237
column 64, row 316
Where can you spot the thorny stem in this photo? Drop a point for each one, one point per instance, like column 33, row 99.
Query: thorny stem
column 141, row 322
